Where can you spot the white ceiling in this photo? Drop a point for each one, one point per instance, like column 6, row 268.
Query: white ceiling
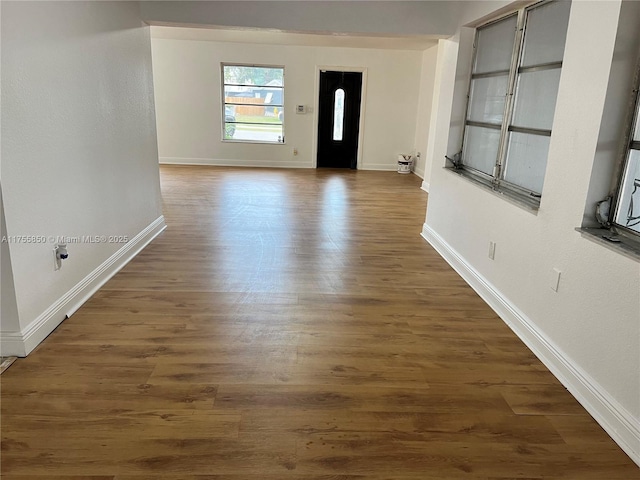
column 277, row 37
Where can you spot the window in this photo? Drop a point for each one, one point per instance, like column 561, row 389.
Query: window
column 512, row 97
column 253, row 99
column 627, row 204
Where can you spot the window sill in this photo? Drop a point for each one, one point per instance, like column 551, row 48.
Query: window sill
column 625, row 246
column 530, row 204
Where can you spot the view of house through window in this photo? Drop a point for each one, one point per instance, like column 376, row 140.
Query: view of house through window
column 253, row 98
column 512, row 97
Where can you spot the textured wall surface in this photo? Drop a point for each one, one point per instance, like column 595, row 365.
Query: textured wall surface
column 79, row 152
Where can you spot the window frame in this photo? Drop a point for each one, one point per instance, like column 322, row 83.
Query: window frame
column 224, row 102
column 496, row 181
column 632, row 123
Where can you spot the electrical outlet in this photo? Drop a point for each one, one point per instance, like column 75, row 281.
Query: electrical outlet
column 492, row 250
column 554, row 279
column 60, row 253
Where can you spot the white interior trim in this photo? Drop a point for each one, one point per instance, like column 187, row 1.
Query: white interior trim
column 425, row 186
column 12, row 345
column 383, row 167
column 316, row 103
column 22, row 343
column 221, row 162
column 618, row 422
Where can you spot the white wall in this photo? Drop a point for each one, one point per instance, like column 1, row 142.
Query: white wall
column 588, row 333
column 441, row 121
column 188, row 101
column 425, row 101
column 8, row 307
column 79, row 152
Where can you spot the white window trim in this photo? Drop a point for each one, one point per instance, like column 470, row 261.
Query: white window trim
column 224, row 102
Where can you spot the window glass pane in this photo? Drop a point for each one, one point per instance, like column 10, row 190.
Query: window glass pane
column 253, row 95
column 536, row 95
column 495, row 46
column 526, row 160
column 255, row 133
column 253, row 103
column 487, row 99
column 338, row 114
column 636, row 135
column 628, row 214
column 263, row 76
column 481, row 148
column 252, row 115
column 545, row 33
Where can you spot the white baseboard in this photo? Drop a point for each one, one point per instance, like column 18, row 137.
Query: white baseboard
column 381, row 167
column 606, row 410
column 419, row 172
column 425, row 186
column 12, row 345
column 222, row 162
column 22, row 343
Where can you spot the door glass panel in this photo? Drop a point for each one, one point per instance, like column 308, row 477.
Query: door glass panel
column 526, row 160
column 495, row 46
column 487, row 99
column 481, row 148
column 338, row 115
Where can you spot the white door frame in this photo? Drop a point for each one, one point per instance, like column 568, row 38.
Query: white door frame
column 316, row 103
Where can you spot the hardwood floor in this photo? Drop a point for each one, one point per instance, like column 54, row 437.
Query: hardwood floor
column 292, row 325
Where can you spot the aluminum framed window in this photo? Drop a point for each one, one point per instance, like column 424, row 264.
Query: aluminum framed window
column 625, row 214
column 513, row 88
column 253, row 103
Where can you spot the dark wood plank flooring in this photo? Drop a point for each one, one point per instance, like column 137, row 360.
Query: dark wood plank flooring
column 292, row 325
